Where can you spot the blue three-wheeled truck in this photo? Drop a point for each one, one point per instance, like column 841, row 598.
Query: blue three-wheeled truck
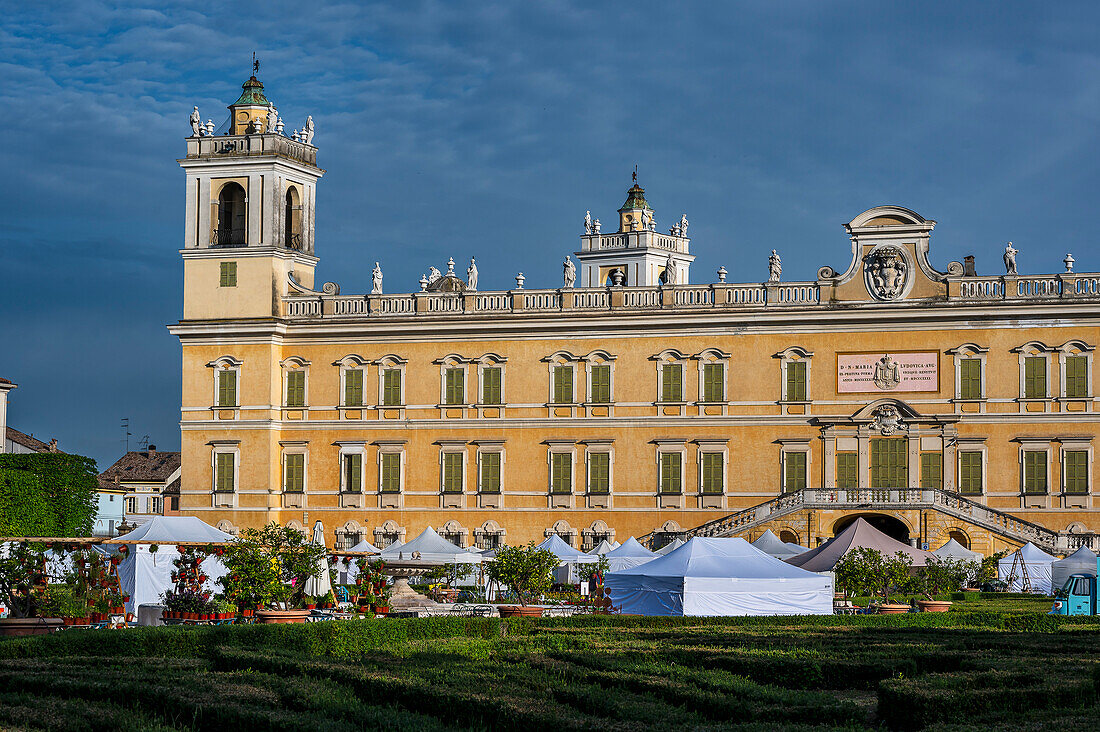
column 1077, row 596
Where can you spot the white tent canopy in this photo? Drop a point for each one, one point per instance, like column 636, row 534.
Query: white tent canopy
column 954, row 550
column 364, row 546
column 603, row 547
column 671, row 546
column 1035, row 562
column 772, row 545
column 1082, row 561
column 719, row 577
column 430, row 547
column 570, row 558
column 797, row 548
column 175, row 528
column 629, row 555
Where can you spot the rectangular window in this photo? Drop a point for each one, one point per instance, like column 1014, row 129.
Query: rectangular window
column 796, row 381
column 970, row 473
column 454, row 386
column 353, row 388
column 561, row 472
column 489, row 481
column 490, row 384
column 155, row 505
column 227, row 388
column 713, row 467
column 563, row 385
column 599, row 472
column 714, row 383
column 390, row 469
column 1076, row 464
column 174, row 503
column 1077, row 383
column 970, row 378
column 1035, row 377
column 452, row 472
column 391, row 387
column 847, row 470
column 931, row 470
column 600, row 391
column 224, row 478
column 670, row 473
column 353, row 472
column 131, row 505
column 296, row 388
column 672, row 382
column 294, row 472
column 889, row 463
column 228, row 274
column 1035, row 471
column 794, row 471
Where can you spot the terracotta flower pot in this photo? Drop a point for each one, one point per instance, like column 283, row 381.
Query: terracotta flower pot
column 311, row 607
column 892, row 609
column 519, row 611
column 266, row 617
column 933, row 606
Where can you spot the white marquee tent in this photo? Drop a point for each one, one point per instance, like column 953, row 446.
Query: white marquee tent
column 954, row 550
column 671, row 546
column 569, row 557
column 629, row 555
column 430, row 547
column 1082, row 561
column 719, row 577
column 1034, row 561
column 603, row 547
column 772, row 545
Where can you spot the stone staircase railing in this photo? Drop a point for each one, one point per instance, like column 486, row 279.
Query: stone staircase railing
column 996, row 521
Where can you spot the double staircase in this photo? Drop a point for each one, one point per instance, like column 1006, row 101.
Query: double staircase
column 885, row 499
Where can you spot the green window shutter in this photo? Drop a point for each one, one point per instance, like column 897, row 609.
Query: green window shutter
column 600, row 392
column 1077, row 384
column 796, row 381
column 490, row 385
column 1076, row 466
column 391, row 387
column 353, row 473
column 713, row 479
column 391, row 472
column 294, row 470
column 794, row 471
column 455, row 391
column 670, row 473
column 228, row 274
column 563, row 384
column 847, row 470
column 561, row 472
column 353, row 388
column 672, row 388
column 452, row 472
column 713, row 383
column 889, row 463
column 1035, row 471
column 296, row 388
column 223, row 471
column 931, row 470
column 970, row 473
column 970, row 378
column 1035, row 377
column 490, row 472
column 599, row 472
column 227, row 388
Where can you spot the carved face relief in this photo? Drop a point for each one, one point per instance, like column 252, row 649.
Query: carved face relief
column 886, row 272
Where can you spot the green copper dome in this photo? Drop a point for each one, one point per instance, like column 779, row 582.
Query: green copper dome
column 635, row 199
column 253, row 93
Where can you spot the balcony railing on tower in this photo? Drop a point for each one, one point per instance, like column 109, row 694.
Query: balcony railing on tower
column 228, row 238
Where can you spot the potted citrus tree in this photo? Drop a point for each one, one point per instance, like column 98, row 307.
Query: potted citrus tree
column 866, row 571
column 270, row 566
column 939, row 577
column 526, row 571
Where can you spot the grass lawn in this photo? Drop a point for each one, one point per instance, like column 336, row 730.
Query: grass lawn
column 990, row 665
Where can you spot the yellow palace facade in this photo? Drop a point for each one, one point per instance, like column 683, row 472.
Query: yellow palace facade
column 628, row 401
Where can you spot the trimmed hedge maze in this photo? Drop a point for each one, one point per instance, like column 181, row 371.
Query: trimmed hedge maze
column 960, row 670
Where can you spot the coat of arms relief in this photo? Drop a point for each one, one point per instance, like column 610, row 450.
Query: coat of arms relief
column 886, row 272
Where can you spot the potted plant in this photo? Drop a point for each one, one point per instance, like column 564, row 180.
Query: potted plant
column 271, row 565
column 23, row 588
column 939, row 577
column 866, row 571
column 526, row 571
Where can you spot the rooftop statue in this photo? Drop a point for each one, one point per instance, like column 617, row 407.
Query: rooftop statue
column 196, row 123
column 376, row 280
column 307, row 131
column 1010, row 259
column 668, row 274
column 471, row 276
column 570, row 272
column 588, row 226
column 775, row 267
column 434, row 275
column 596, row 226
column 272, row 120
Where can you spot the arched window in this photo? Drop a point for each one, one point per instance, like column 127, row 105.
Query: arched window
column 232, row 217
column 292, row 234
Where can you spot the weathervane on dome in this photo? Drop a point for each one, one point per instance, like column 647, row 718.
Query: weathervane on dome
column 634, row 175
column 255, row 64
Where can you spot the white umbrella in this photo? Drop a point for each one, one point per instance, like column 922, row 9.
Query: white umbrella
column 320, row 584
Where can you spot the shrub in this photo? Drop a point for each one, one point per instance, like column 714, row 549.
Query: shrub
column 269, row 565
column 47, row 494
column 525, row 570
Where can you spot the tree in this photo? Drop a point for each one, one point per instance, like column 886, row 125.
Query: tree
column 526, row 570
column 866, row 571
column 940, row 576
column 270, row 564
column 47, row 494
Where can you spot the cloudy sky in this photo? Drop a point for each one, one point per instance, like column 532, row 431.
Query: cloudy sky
column 487, row 129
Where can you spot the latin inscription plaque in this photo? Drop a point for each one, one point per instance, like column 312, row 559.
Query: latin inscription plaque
column 885, row 373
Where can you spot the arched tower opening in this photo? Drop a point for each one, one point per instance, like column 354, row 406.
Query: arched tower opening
column 232, row 216
column 292, row 220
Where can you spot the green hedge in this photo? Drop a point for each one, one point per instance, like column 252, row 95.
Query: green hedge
column 47, row 494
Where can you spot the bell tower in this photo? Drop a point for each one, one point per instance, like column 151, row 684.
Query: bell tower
column 248, row 223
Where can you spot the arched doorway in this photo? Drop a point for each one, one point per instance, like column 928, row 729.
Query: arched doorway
column 959, row 537
column 788, row 537
column 892, row 527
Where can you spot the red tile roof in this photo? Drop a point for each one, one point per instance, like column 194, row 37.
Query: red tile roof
column 143, row 466
column 31, row 443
